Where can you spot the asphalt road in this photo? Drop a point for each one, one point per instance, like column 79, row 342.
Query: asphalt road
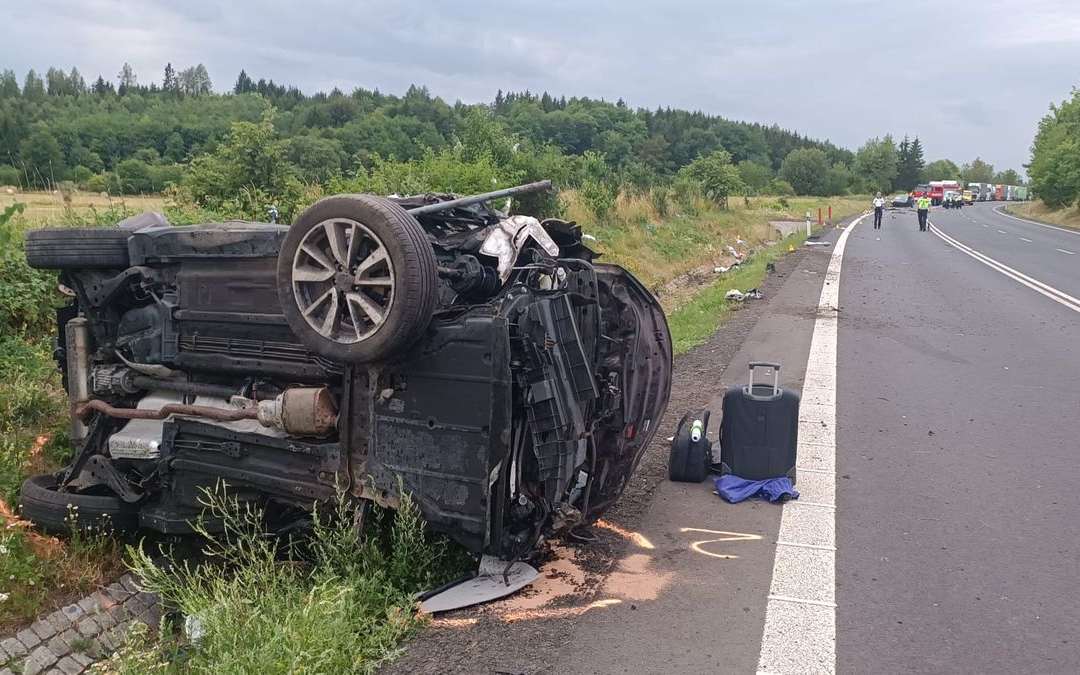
column 958, row 449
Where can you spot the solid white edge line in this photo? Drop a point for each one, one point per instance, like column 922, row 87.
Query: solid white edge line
column 998, row 210
column 792, row 640
column 1054, row 294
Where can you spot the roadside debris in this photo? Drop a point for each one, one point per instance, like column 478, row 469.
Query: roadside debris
column 739, row 296
column 733, row 252
column 495, row 579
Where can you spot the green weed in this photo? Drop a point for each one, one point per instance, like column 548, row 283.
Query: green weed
column 340, row 603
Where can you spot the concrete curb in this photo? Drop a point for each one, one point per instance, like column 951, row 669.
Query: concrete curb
column 68, row 640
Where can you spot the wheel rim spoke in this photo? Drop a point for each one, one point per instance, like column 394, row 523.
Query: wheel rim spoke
column 373, row 311
column 318, row 256
column 310, row 309
column 336, row 238
column 374, row 258
column 327, row 327
column 376, row 281
column 356, row 321
column 312, row 274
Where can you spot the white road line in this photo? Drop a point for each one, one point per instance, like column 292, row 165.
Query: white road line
column 1058, row 296
column 1022, row 239
column 1064, row 251
column 985, row 225
column 800, row 635
column 998, row 210
column 1002, row 232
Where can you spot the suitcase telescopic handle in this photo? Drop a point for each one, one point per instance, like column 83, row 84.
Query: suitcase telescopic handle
column 764, row 364
column 776, row 380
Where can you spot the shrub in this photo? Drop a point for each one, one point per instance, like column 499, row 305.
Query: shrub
column 9, row 175
column 781, row 187
column 339, row 603
column 715, row 176
column 805, row 170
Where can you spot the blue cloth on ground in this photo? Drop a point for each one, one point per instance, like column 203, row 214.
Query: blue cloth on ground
column 734, row 489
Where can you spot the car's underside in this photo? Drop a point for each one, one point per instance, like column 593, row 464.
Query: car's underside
column 514, row 390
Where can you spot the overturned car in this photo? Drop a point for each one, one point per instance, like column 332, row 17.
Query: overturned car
column 487, row 364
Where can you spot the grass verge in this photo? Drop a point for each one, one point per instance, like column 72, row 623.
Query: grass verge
column 693, row 323
column 1038, row 211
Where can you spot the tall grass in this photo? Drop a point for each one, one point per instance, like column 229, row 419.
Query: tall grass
column 339, row 603
column 662, row 234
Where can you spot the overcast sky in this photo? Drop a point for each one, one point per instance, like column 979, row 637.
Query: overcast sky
column 969, row 78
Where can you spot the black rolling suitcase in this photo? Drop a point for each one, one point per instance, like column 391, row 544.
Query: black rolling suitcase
column 759, row 432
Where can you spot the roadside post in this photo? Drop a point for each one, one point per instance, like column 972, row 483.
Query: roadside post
column 819, row 221
column 807, row 223
column 830, row 214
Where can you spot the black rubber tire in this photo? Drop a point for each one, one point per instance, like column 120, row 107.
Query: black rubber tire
column 45, row 507
column 73, row 248
column 415, row 277
column 689, row 461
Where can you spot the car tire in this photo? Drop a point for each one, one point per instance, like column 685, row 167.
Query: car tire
column 74, row 248
column 49, row 509
column 689, row 459
column 357, row 302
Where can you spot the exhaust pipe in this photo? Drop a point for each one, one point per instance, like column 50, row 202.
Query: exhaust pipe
column 77, row 345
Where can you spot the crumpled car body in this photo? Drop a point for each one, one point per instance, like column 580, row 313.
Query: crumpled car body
column 519, row 410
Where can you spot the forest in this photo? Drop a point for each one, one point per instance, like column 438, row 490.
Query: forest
column 262, row 142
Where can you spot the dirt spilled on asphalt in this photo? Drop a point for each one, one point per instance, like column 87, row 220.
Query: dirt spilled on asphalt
column 523, row 633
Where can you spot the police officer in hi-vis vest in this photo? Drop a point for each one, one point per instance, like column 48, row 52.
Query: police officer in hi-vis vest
column 923, row 205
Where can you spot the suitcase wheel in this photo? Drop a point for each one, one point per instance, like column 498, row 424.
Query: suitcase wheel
column 689, row 459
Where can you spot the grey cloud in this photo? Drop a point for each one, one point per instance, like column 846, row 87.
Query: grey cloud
column 844, row 70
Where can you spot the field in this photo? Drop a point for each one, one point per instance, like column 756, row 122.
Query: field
column 45, row 208
column 1036, row 210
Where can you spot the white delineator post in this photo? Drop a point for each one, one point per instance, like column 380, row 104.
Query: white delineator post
column 807, row 223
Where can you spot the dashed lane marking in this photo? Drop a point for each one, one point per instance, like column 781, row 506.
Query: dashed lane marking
column 1057, row 295
column 1000, row 212
column 1064, row 251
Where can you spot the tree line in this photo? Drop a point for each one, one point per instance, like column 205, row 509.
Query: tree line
column 135, row 137
column 1055, row 155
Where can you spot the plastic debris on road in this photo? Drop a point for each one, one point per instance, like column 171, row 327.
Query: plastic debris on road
column 734, row 489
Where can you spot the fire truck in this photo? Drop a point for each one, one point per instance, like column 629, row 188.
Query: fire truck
column 938, row 188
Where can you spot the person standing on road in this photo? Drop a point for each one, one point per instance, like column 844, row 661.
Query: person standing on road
column 923, row 205
column 879, row 208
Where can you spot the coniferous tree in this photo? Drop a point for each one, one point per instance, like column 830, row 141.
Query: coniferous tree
column 168, row 82
column 244, row 83
column 127, row 79
column 9, row 85
column 33, row 86
column 76, row 83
